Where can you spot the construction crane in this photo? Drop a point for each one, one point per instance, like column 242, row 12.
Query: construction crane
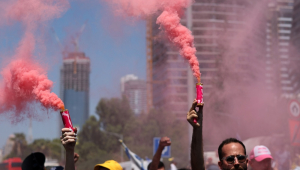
column 75, row 41
column 149, row 55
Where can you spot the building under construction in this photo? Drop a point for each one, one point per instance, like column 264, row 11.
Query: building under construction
column 75, row 85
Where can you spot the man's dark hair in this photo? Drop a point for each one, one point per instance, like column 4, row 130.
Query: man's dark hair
column 227, row 141
column 160, row 165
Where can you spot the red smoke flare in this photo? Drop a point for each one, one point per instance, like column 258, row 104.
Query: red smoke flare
column 181, row 37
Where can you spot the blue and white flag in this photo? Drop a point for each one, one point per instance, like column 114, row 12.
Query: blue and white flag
column 139, row 162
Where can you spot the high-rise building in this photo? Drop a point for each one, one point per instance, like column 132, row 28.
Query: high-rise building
column 295, row 53
column 135, row 90
column 75, row 86
column 278, row 46
column 209, row 21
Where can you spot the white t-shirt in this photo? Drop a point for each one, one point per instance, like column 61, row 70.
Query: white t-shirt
column 173, row 166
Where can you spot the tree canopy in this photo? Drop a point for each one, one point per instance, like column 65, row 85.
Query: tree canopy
column 97, row 144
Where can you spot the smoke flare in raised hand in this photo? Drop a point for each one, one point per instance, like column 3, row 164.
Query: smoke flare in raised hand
column 169, row 21
column 24, row 80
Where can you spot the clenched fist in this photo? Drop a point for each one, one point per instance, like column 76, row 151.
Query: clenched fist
column 68, row 139
column 164, row 141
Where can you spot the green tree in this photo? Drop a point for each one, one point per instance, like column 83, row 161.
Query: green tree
column 159, row 123
column 20, row 148
column 51, row 149
column 96, row 146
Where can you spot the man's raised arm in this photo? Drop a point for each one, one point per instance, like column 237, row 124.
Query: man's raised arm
column 197, row 158
column 164, row 141
column 68, row 139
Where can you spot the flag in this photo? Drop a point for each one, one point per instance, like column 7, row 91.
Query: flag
column 139, row 162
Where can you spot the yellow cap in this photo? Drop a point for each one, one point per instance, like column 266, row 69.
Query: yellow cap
column 110, row 164
column 171, row 159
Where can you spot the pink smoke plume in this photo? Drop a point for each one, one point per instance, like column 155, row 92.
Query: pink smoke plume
column 181, row 37
column 169, row 20
column 24, row 80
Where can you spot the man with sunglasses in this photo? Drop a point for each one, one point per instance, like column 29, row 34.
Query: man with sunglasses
column 232, row 152
column 232, row 155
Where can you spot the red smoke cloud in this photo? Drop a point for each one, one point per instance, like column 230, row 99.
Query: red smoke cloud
column 23, row 79
column 169, row 20
column 26, row 81
column 180, row 36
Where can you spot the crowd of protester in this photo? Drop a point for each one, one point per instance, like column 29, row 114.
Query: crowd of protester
column 231, row 152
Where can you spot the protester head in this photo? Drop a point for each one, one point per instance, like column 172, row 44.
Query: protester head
column 260, row 158
column 161, row 166
column 232, row 155
column 108, row 165
column 34, row 161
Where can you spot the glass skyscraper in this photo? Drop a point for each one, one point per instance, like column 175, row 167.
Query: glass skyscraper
column 75, row 84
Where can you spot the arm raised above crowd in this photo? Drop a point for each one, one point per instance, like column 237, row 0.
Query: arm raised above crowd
column 164, row 141
column 197, row 157
column 68, row 139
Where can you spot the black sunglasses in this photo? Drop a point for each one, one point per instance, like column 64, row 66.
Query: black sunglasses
column 231, row 159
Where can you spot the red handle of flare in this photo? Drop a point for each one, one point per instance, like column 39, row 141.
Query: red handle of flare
column 66, row 118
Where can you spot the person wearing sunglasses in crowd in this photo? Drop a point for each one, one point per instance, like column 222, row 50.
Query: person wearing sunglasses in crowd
column 232, row 155
column 232, row 152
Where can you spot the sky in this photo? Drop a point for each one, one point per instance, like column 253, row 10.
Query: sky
column 116, row 46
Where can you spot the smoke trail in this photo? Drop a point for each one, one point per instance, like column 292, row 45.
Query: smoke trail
column 181, row 37
column 24, row 80
column 169, row 21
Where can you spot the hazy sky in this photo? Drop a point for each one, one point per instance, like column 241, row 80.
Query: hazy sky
column 115, row 45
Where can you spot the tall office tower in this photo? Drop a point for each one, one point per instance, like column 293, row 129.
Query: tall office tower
column 135, row 90
column 75, row 86
column 278, row 63
column 212, row 22
column 295, row 53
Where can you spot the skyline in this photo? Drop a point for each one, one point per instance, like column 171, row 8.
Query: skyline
column 98, row 41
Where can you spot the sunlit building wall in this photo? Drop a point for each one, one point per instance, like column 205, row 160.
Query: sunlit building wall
column 135, row 90
column 278, row 46
column 295, row 52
